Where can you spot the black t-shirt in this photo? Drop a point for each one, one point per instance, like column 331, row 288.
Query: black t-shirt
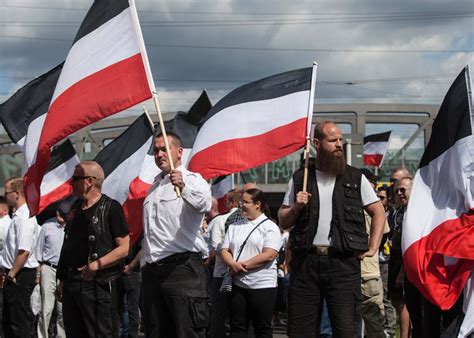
column 76, row 245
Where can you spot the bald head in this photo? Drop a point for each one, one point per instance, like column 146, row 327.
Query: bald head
column 321, row 130
column 248, row 186
column 92, row 168
column 399, row 173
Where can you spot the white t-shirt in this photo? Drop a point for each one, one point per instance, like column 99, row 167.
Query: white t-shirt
column 326, row 188
column 4, row 225
column 267, row 235
column 217, row 237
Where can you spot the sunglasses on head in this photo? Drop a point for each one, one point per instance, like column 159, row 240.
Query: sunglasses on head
column 402, row 190
column 78, row 178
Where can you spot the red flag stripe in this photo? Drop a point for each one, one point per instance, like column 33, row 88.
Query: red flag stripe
column 441, row 283
column 61, row 191
column 133, row 208
column 373, row 160
column 78, row 106
column 273, row 144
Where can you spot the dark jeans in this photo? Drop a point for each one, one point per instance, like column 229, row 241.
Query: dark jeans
column 220, row 309
column 255, row 305
column 17, row 317
column 334, row 278
column 86, row 308
column 414, row 302
column 127, row 286
column 175, row 297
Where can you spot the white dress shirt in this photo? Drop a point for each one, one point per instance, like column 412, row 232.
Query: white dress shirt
column 171, row 224
column 217, row 237
column 4, row 224
column 50, row 242
column 22, row 235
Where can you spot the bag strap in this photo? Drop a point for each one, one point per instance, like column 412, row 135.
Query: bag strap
column 245, row 242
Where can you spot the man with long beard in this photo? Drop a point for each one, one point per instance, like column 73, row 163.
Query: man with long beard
column 329, row 238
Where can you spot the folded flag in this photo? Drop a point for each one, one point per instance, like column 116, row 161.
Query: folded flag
column 438, row 232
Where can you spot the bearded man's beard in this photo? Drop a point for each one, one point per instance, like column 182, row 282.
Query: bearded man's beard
column 332, row 163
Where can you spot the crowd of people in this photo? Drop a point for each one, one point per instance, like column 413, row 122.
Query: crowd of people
column 329, row 264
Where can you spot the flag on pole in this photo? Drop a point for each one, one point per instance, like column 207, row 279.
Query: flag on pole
column 219, row 189
column 438, row 232
column 375, row 148
column 28, row 103
column 123, row 157
column 254, row 124
column 184, row 125
column 106, row 71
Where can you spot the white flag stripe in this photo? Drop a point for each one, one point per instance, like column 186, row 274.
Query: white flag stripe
column 375, row 148
column 116, row 184
column 32, row 140
column 55, row 178
column 87, row 56
column 431, row 191
column 264, row 119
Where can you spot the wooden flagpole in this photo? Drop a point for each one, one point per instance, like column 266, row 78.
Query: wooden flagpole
column 165, row 137
column 308, row 124
column 149, row 118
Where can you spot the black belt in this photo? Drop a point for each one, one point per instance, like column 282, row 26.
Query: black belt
column 319, row 250
column 54, row 266
column 177, row 258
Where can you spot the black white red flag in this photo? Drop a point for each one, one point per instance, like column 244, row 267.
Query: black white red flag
column 255, row 124
column 375, row 148
column 438, row 232
column 219, row 189
column 27, row 104
column 122, row 158
column 106, row 71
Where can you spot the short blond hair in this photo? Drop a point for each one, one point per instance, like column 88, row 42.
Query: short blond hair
column 16, row 183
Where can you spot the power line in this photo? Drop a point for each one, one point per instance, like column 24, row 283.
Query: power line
column 276, row 49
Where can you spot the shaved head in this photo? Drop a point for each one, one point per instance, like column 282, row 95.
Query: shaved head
column 92, row 168
column 248, row 186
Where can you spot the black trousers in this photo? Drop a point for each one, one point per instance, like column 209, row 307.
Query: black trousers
column 127, row 286
column 255, row 305
column 220, row 309
column 175, row 297
column 17, row 317
column 313, row 279
column 86, row 308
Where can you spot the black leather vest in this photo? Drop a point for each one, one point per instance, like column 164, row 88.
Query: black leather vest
column 101, row 241
column 348, row 233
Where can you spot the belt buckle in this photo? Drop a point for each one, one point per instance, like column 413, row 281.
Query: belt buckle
column 322, row 250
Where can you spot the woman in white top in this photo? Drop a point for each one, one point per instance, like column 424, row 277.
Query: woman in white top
column 253, row 266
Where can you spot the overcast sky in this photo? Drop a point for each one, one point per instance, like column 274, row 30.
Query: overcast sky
column 367, row 50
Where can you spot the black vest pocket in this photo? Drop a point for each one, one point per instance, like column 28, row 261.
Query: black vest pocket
column 355, row 241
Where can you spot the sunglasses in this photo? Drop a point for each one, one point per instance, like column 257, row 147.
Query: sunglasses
column 78, row 178
column 382, row 198
column 402, row 190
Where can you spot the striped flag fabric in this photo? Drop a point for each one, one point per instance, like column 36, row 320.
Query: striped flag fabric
column 186, row 126
column 438, row 232
column 30, row 102
column 106, row 71
column 56, row 183
column 123, row 157
column 375, row 148
column 219, row 189
column 254, row 124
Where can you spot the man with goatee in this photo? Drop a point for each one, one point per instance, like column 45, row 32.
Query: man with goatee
column 328, row 238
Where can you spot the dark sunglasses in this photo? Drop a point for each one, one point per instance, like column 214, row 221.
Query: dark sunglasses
column 382, row 198
column 78, row 178
column 402, row 190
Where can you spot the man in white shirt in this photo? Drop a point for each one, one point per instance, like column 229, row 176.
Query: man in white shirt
column 328, row 238
column 174, row 277
column 19, row 262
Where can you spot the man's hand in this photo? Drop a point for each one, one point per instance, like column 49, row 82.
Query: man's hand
column 369, row 253
column 302, row 199
column 127, row 269
column 89, row 270
column 59, row 291
column 176, row 178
